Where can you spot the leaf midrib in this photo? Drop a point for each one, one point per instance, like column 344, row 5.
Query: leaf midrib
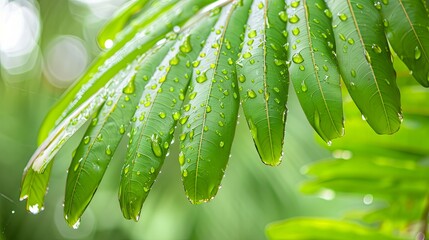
column 270, row 136
column 413, row 30
column 310, row 41
column 221, row 38
column 370, row 65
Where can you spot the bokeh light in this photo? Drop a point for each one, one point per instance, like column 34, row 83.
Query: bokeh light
column 65, row 60
column 20, row 29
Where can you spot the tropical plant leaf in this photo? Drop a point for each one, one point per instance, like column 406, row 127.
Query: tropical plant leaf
column 63, row 132
column 34, row 187
column 118, row 22
column 322, row 229
column 379, row 176
column 210, row 117
column 406, row 28
column 263, row 79
column 103, row 136
column 364, row 62
column 115, row 59
column 313, row 66
column 156, row 117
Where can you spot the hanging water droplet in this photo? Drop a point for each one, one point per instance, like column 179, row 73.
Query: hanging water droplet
column 294, row 4
column 386, row 23
column 186, row 46
column 185, row 173
column 328, row 13
column 294, row 19
column 108, row 151
column 304, row 87
column 342, row 16
column 130, row 88
column 247, row 55
column 295, row 31
column 252, row 33
column 376, row 48
column 297, row 58
column 377, row 5
column 176, row 116
column 76, row 224
column 283, row 16
column 417, row 53
column 162, row 115
column 156, row 149
column 192, row 95
column 202, row 78
column 251, row 93
column 184, row 120
column 86, row 139
column 181, row 158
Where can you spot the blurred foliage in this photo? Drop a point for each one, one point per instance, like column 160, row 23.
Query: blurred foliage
column 390, row 172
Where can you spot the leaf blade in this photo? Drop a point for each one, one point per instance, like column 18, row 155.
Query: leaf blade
column 406, row 29
column 152, row 134
column 102, row 138
column 310, row 38
column 206, row 140
column 263, row 80
column 370, row 77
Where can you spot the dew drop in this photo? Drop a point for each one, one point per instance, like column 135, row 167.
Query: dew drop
column 202, row 78
column 162, row 115
column 342, row 16
column 304, row 87
column 247, row 55
column 186, row 46
column 221, row 144
column 86, row 139
column 417, row 53
column 297, row 58
column 296, row 31
column 283, row 16
column 328, row 13
column 156, row 149
column 294, row 19
column 252, row 33
column 108, row 151
column 251, row 93
column 76, row 224
column 376, row 48
column 181, row 158
column 241, row 78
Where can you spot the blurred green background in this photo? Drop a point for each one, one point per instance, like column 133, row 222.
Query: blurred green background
column 44, row 46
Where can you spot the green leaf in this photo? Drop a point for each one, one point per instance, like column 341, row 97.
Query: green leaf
column 313, row 66
column 210, row 117
column 115, row 59
column 94, row 153
column 34, row 187
column 371, row 174
column 66, row 129
column 263, row 79
column 156, row 117
column 322, row 229
column 120, row 20
column 406, row 28
column 365, row 65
